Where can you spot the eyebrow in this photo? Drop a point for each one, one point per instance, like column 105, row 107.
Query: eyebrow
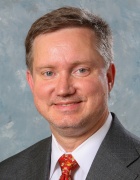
column 44, row 67
column 76, row 63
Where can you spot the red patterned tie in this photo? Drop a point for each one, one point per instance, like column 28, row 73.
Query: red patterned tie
column 67, row 164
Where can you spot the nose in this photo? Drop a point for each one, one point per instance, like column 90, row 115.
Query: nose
column 65, row 86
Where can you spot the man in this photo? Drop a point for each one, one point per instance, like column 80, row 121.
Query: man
column 70, row 71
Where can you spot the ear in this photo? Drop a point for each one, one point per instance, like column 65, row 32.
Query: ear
column 111, row 76
column 30, row 81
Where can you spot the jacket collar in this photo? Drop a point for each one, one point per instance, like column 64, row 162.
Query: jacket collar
column 115, row 156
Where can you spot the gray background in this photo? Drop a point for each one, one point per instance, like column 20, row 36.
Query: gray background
column 20, row 123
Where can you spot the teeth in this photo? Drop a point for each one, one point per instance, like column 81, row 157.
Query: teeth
column 66, row 104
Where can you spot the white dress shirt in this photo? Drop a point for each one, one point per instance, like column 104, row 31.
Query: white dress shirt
column 83, row 154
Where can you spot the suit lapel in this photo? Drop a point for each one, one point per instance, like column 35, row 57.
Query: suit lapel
column 108, row 167
column 115, row 156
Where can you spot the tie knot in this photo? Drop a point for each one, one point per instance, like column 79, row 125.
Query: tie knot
column 67, row 164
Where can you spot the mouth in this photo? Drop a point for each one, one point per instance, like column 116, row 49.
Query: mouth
column 68, row 106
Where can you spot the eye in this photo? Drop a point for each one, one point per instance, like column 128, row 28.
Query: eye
column 48, row 73
column 82, row 72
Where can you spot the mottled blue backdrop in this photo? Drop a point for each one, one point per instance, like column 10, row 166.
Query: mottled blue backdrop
column 20, row 123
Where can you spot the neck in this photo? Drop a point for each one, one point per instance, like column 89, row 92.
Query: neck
column 69, row 144
column 70, row 139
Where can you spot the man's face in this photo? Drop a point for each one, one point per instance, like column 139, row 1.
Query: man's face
column 70, row 82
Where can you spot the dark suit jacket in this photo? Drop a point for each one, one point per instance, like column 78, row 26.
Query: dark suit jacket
column 118, row 158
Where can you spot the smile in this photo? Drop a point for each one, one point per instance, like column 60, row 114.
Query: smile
column 69, row 106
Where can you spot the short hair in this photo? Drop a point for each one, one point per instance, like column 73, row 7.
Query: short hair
column 71, row 17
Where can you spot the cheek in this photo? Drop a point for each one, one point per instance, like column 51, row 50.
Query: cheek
column 96, row 93
column 41, row 90
column 94, row 86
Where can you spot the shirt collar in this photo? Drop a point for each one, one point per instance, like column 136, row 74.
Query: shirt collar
column 56, row 153
column 83, row 154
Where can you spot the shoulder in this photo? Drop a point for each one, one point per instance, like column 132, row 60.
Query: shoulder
column 135, row 140
column 122, row 133
column 26, row 158
column 124, row 145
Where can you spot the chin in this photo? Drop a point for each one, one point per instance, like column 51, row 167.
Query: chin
column 69, row 123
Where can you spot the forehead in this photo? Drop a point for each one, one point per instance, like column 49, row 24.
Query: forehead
column 66, row 44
